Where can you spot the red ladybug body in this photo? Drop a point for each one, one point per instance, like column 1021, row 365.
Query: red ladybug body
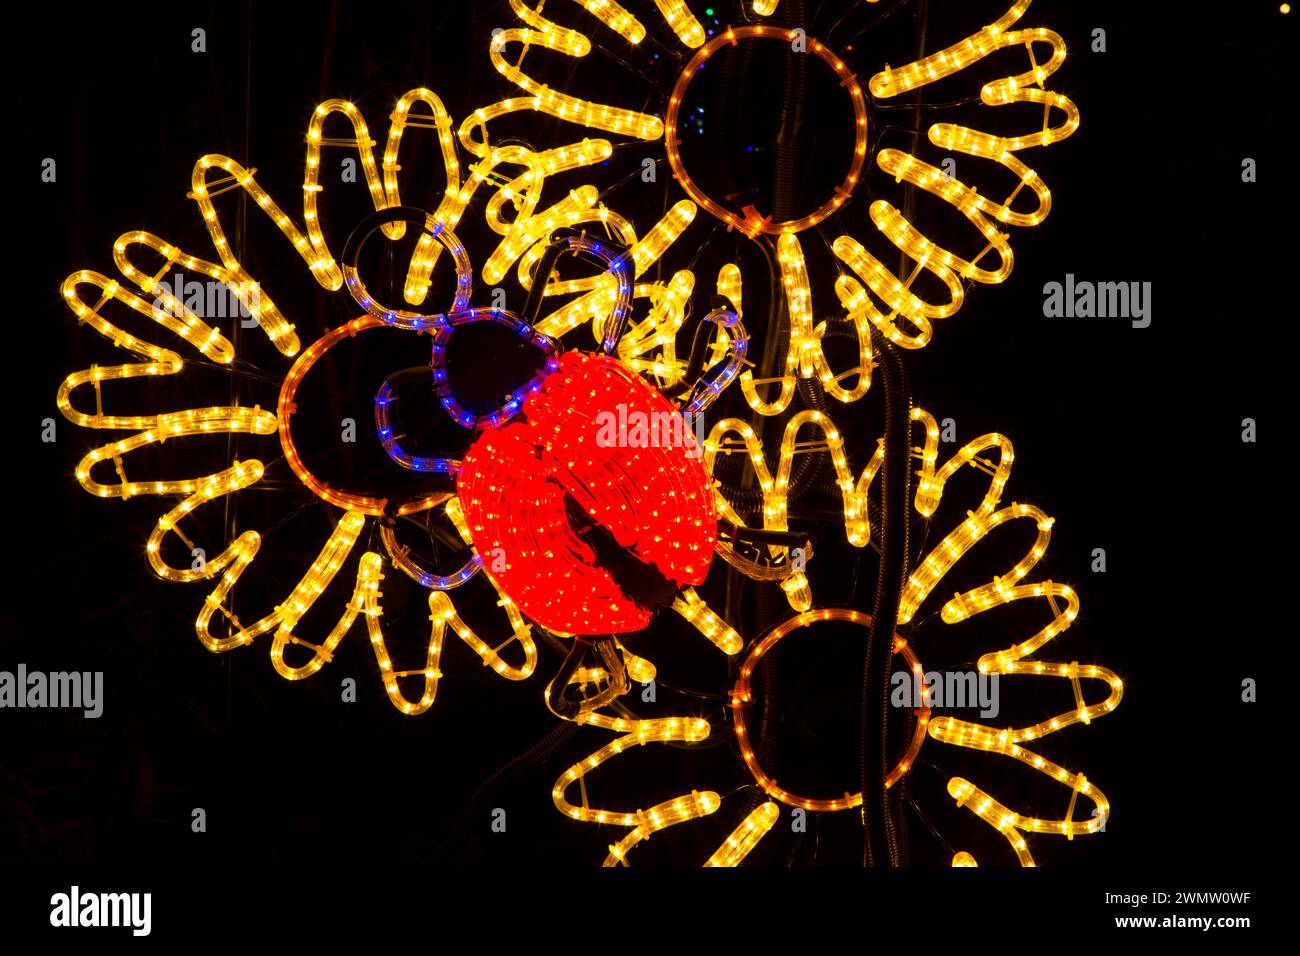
column 595, row 441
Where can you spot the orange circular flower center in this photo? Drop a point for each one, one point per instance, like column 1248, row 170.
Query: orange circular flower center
column 750, row 220
column 741, row 697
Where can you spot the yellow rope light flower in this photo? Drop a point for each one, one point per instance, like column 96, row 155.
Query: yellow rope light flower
column 171, row 314
column 1017, row 659
column 517, row 177
column 872, row 295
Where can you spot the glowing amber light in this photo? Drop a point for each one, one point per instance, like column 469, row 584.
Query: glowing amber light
column 1061, row 601
column 646, row 252
column 518, row 176
column 804, row 357
column 511, row 211
column 318, row 576
column 452, row 205
column 683, row 22
column 635, row 733
column 754, row 223
column 705, row 620
column 873, row 295
column 645, row 822
column 197, row 421
column 616, row 17
column 542, row 32
column 946, row 266
column 239, row 475
column 775, row 490
column 148, row 262
column 315, row 252
column 741, row 697
column 992, row 455
column 746, row 836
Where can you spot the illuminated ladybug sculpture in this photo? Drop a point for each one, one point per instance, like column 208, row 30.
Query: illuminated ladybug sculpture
column 591, row 528
column 585, row 492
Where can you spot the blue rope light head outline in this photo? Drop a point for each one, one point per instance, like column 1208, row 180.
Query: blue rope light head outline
column 403, row 318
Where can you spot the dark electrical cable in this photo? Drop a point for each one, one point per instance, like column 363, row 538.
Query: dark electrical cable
column 882, row 843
